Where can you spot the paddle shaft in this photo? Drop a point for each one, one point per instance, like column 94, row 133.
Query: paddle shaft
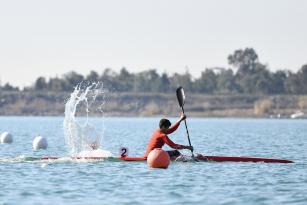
column 186, row 128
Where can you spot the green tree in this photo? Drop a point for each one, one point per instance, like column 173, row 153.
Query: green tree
column 56, row 84
column 206, row 83
column 40, row 84
column 93, row 76
column 9, row 87
column 251, row 75
column 278, row 82
column 225, row 82
column 125, row 80
column 292, row 84
column 165, row 83
column 184, row 80
column 244, row 60
column 108, row 78
column 259, row 80
column 147, row 81
column 302, row 73
column 72, row 79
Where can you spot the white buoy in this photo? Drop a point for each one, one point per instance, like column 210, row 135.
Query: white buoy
column 6, row 138
column 40, row 143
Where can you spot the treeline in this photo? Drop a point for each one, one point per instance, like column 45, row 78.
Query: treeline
column 247, row 75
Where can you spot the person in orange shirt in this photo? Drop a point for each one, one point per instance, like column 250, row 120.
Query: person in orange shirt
column 159, row 138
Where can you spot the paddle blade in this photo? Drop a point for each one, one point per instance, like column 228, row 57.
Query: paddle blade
column 180, row 96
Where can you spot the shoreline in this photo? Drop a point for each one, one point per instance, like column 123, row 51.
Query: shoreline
column 158, row 104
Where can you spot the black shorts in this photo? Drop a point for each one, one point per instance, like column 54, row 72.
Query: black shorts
column 173, row 153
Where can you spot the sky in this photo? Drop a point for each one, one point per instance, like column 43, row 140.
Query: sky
column 51, row 38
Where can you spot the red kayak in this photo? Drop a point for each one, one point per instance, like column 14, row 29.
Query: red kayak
column 221, row 159
column 199, row 157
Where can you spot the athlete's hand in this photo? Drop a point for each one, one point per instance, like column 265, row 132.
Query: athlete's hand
column 183, row 117
column 190, row 148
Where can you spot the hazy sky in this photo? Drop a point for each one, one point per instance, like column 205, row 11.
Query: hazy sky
column 53, row 37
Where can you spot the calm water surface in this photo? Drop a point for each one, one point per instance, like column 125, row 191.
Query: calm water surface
column 24, row 181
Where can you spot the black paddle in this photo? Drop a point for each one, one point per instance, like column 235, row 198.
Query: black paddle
column 181, row 100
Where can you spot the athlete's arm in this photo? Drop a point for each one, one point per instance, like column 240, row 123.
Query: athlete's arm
column 174, row 127
column 170, row 143
column 187, row 147
column 173, row 145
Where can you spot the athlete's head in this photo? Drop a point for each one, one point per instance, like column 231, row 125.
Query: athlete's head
column 164, row 124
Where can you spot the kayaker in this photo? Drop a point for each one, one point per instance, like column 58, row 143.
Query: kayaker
column 159, row 138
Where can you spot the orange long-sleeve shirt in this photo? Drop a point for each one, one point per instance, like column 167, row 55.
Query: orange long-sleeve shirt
column 158, row 139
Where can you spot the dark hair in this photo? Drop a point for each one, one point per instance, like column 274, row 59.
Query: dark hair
column 164, row 123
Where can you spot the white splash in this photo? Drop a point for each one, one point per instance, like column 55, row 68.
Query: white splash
column 80, row 135
column 95, row 153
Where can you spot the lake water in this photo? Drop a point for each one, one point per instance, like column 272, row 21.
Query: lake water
column 24, row 181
